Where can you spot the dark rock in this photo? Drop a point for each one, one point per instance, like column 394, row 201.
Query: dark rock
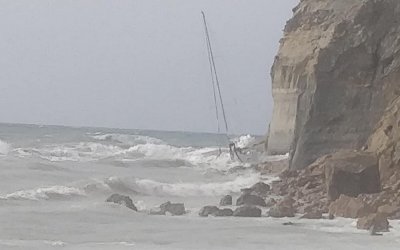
column 208, row 210
column 252, row 200
column 173, row 208
column 122, row 200
column 349, row 207
column 224, row 212
column 261, row 188
column 247, row 211
column 157, row 211
column 378, row 222
column 351, row 173
column 226, row 200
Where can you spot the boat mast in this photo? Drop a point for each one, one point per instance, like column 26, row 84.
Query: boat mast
column 214, row 76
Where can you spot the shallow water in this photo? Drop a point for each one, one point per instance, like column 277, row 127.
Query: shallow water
column 55, row 180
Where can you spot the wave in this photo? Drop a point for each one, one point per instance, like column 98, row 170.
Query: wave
column 4, row 148
column 46, row 193
column 125, row 139
column 155, row 188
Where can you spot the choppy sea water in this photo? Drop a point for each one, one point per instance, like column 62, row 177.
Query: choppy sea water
column 54, row 181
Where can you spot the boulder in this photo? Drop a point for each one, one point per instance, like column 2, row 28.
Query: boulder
column 173, row 208
column 261, row 189
column 316, row 214
column 349, row 207
column 284, row 208
column 226, row 201
column 378, row 221
column 247, row 211
column 224, row 212
column 390, row 211
column 251, row 200
column 157, row 211
column 122, row 200
column 208, row 210
column 351, row 173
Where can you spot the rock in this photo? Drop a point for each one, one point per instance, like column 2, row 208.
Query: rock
column 173, row 208
column 349, row 207
column 247, row 211
column 157, row 211
column 261, row 188
column 226, row 201
column 270, row 202
column 330, row 83
column 316, row 214
column 390, row 211
column 378, row 222
column 283, row 208
column 351, row 173
column 224, row 212
column 252, row 200
column 122, row 200
column 208, row 210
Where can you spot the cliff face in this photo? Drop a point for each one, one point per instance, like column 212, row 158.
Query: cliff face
column 337, row 70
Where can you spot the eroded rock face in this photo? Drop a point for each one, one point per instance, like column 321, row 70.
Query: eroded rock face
column 336, row 71
column 351, row 173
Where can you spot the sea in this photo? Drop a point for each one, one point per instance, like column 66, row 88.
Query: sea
column 54, row 181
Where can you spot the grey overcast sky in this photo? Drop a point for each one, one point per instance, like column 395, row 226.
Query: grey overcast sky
column 138, row 63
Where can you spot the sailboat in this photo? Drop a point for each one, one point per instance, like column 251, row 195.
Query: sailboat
column 218, row 102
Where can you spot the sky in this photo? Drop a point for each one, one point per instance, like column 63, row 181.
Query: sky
column 138, row 63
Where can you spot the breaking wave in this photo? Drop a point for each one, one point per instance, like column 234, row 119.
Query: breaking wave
column 129, row 140
column 4, row 148
column 155, row 188
column 46, row 193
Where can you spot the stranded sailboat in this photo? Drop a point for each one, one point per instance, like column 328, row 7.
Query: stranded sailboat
column 218, row 102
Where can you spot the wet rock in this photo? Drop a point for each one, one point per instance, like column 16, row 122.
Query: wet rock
column 377, row 221
column 261, row 189
column 316, row 214
column 351, row 173
column 270, row 202
column 173, row 208
column 349, row 207
column 157, row 211
column 122, row 200
column 247, row 211
column 283, row 208
column 208, row 210
column 251, row 200
column 226, row 201
column 224, row 212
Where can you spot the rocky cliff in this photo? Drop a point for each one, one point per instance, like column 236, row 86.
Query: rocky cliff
column 336, row 72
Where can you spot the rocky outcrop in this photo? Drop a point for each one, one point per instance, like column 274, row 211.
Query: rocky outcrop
column 122, row 200
column 336, row 71
column 283, row 208
column 215, row 211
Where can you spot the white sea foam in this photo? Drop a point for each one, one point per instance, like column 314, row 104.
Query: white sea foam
column 4, row 148
column 45, row 193
column 244, row 141
column 156, row 188
column 125, row 139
